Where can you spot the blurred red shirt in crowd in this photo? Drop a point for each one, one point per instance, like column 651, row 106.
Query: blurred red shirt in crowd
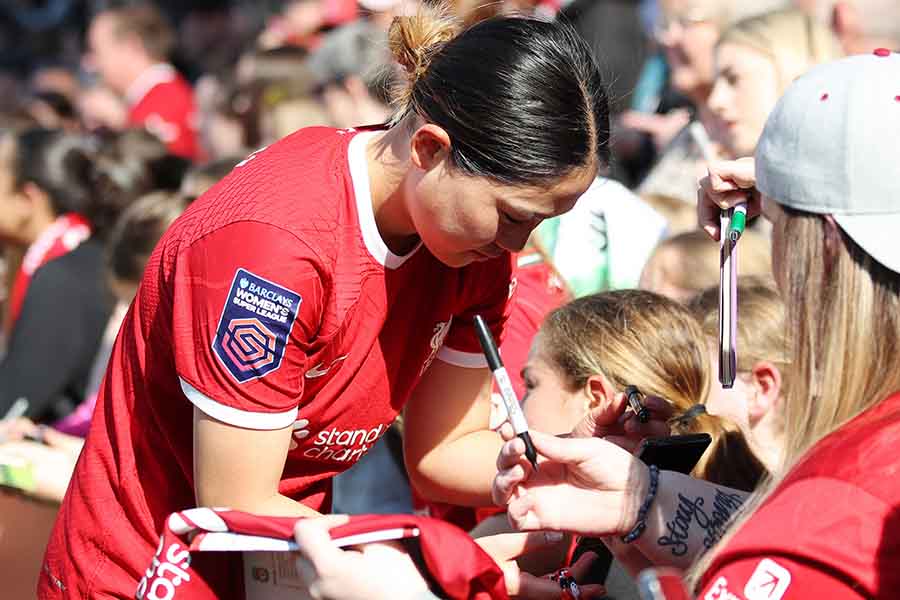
column 162, row 102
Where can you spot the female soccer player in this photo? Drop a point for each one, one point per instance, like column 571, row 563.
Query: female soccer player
column 330, row 280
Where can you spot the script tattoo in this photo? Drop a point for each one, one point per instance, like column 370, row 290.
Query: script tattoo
column 692, row 511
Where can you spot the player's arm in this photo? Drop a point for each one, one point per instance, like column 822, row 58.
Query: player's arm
column 242, row 321
column 225, row 454
column 450, row 452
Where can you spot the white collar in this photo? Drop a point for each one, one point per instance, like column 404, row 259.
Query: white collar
column 359, row 173
column 147, row 80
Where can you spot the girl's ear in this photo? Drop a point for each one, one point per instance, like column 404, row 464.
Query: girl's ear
column 430, row 144
column 766, row 390
column 599, row 390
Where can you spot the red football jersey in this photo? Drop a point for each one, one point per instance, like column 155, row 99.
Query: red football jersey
column 830, row 529
column 272, row 301
column 162, row 102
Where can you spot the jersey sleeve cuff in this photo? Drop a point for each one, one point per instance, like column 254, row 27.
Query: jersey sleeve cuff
column 457, row 358
column 235, row 416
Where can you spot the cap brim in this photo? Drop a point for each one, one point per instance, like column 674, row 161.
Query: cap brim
column 877, row 234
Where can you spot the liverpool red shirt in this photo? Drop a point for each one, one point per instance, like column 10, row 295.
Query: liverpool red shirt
column 271, row 302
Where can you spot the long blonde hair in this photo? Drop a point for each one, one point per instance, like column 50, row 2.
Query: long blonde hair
column 639, row 338
column 793, row 40
column 843, row 312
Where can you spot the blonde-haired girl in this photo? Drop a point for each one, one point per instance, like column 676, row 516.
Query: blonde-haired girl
column 588, row 351
column 756, row 59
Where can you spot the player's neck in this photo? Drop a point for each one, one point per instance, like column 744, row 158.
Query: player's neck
column 387, row 156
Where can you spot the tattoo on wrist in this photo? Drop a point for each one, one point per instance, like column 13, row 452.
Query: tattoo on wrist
column 712, row 523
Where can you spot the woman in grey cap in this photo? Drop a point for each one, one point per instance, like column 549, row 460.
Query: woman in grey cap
column 827, row 174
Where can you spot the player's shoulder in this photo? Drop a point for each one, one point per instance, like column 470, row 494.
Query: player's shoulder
column 296, row 184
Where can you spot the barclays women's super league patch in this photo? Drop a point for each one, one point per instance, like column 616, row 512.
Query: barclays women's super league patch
column 254, row 326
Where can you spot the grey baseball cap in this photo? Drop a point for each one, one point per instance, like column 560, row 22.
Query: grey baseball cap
column 832, row 146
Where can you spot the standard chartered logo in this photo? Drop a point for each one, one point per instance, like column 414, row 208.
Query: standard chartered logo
column 339, row 445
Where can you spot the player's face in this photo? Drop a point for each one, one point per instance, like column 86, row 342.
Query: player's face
column 462, row 219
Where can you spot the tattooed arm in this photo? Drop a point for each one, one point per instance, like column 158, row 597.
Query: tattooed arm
column 594, row 488
column 687, row 518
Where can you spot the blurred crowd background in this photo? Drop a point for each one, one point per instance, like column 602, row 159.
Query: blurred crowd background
column 114, row 116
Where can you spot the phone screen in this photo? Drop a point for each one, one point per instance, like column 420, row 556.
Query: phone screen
column 679, row 453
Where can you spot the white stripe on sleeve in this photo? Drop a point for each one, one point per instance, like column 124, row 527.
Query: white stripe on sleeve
column 234, row 416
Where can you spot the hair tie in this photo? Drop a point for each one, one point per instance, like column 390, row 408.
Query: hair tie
column 690, row 414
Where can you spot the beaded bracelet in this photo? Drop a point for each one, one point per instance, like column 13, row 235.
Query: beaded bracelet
column 641, row 523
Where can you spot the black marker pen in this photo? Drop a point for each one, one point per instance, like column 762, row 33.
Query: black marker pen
column 513, row 409
column 633, row 395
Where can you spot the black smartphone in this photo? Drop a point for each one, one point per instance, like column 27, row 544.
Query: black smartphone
column 679, row 453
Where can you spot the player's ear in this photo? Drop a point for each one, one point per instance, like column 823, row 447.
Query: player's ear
column 430, row 144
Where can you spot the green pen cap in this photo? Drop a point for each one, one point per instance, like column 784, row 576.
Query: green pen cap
column 738, row 221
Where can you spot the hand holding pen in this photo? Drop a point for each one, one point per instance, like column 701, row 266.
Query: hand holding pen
column 735, row 212
column 501, row 377
column 727, row 184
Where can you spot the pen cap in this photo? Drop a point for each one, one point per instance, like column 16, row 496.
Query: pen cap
column 491, row 353
column 739, row 220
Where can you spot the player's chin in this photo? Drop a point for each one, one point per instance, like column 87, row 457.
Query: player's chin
column 459, row 259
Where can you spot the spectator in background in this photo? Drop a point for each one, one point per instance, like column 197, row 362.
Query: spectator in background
column 604, row 242
column 45, row 191
column 52, row 457
column 301, row 22
column 228, row 119
column 688, row 263
column 862, row 26
column 68, row 301
column 756, row 59
column 353, row 69
column 164, row 169
column 688, row 32
column 129, row 48
column 588, row 351
column 130, row 243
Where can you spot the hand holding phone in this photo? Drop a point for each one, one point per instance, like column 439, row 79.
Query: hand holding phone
column 679, row 453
